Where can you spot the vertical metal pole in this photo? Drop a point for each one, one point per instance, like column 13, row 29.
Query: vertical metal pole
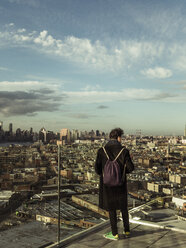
column 59, row 184
column 134, row 203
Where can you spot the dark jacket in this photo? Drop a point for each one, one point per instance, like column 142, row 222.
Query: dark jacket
column 113, row 198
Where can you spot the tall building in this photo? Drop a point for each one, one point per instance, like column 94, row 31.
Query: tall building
column 1, row 126
column 69, row 137
column 1, row 131
column 75, row 135
column 97, row 133
column 18, row 132
column 79, row 134
column 168, row 150
column 65, row 135
column 42, row 134
column 92, row 133
column 10, row 128
column 31, row 130
column 184, row 137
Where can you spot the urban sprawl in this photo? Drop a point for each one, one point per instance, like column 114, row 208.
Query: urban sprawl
column 29, row 175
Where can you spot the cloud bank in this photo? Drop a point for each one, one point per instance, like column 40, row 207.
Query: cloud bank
column 122, row 95
column 122, row 55
column 29, row 102
column 32, row 101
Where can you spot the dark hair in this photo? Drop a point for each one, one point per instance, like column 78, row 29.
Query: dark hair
column 115, row 133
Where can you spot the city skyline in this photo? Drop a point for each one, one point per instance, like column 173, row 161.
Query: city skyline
column 138, row 132
column 93, row 65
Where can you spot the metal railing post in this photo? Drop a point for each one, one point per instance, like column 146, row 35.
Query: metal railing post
column 59, row 184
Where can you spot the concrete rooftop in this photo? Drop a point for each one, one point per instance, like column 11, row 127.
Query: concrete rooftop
column 142, row 236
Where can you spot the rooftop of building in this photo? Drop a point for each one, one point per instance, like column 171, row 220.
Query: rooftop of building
column 143, row 235
column 167, row 231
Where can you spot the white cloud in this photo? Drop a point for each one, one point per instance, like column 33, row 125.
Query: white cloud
column 21, row 30
column 11, row 24
column 91, row 87
column 180, row 63
column 181, row 84
column 85, row 52
column 157, row 72
column 120, row 56
column 44, row 39
column 177, row 56
column 88, row 96
column 115, row 96
column 17, row 85
column 142, row 49
column 161, row 22
column 18, row 38
column 53, row 81
column 33, row 83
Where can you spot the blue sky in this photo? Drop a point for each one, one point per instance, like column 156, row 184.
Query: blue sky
column 84, row 64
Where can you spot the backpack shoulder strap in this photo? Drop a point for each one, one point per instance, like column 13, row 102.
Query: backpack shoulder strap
column 119, row 154
column 105, row 152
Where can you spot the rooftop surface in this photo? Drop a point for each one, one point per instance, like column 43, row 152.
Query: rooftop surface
column 32, row 235
column 167, row 233
column 141, row 237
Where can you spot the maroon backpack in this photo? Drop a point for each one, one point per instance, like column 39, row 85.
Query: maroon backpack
column 112, row 173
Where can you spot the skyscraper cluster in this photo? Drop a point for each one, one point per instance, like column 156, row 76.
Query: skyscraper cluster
column 19, row 135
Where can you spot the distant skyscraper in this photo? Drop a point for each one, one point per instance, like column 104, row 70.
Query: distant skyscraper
column 185, row 131
column 69, row 136
column 79, row 134
column 74, row 134
column 63, row 132
column 10, row 127
column 168, row 149
column 31, row 130
column 92, row 133
column 65, row 135
column 18, row 132
column 1, row 125
column 97, row 133
column 42, row 134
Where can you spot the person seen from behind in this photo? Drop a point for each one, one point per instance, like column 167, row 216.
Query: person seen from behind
column 113, row 162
